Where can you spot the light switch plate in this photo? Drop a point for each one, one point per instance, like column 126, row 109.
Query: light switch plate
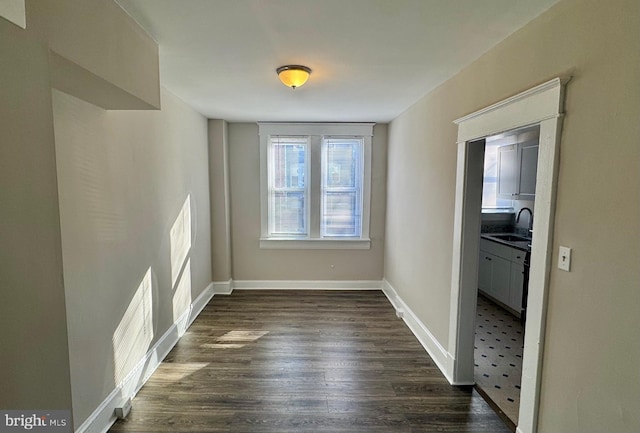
column 564, row 259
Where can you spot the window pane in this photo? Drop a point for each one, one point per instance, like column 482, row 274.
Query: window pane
column 288, row 186
column 490, row 179
column 288, row 213
column 341, row 214
column 288, row 163
column 341, row 187
column 342, row 163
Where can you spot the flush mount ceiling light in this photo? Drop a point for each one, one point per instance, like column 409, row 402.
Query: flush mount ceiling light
column 293, row 75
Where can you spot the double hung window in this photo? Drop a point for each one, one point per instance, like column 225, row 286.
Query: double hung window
column 288, row 186
column 315, row 185
column 342, row 178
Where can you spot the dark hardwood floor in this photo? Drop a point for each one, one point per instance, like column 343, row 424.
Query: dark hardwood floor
column 303, row 361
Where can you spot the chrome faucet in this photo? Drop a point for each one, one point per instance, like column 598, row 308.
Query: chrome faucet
column 530, row 217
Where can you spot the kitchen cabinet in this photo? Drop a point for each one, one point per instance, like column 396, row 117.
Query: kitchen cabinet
column 501, row 273
column 484, row 272
column 517, row 170
column 494, row 276
column 528, row 170
column 516, row 281
column 507, row 187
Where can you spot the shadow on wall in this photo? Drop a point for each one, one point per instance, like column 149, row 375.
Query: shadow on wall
column 134, row 334
column 83, row 155
column 180, row 238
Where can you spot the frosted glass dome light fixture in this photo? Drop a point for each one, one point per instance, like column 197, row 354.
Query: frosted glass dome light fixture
column 293, row 75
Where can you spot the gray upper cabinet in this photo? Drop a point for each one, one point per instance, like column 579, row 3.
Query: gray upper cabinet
column 508, row 172
column 528, row 169
column 517, row 169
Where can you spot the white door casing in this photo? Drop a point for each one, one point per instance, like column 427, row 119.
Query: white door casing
column 543, row 105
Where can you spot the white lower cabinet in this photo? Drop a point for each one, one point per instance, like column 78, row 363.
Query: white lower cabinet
column 501, row 273
column 515, row 292
column 494, row 276
column 484, row 272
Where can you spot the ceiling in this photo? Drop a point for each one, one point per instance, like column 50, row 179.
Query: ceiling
column 371, row 59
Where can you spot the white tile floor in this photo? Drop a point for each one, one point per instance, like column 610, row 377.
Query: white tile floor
column 498, row 356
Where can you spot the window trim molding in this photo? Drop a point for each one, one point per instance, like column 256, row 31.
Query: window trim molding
column 315, row 244
column 316, row 132
column 317, row 128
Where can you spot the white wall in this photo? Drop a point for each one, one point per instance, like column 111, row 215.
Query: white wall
column 252, row 263
column 124, row 178
column 32, row 310
column 98, row 37
column 590, row 378
column 102, row 54
column 220, row 205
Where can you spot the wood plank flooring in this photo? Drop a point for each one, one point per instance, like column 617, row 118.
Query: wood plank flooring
column 303, row 361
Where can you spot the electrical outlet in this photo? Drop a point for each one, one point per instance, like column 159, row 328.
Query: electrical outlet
column 564, row 259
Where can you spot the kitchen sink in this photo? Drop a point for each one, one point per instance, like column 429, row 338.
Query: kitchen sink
column 511, row 238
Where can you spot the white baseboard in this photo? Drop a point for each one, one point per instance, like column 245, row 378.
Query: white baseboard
column 306, row 285
column 103, row 416
column 223, row 287
column 433, row 347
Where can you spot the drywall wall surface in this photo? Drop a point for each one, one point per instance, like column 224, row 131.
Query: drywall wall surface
column 252, row 263
column 73, row 79
column 134, row 213
column 33, row 343
column 220, row 200
column 420, row 203
column 14, row 11
column 107, row 51
column 590, row 378
column 98, row 36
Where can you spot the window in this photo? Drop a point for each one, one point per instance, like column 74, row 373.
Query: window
column 288, row 186
column 342, row 177
column 315, row 185
column 504, row 162
column 490, row 198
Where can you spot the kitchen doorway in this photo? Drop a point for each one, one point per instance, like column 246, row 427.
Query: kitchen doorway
column 541, row 105
column 507, row 215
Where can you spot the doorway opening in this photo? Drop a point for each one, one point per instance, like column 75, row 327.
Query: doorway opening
column 507, row 211
column 540, row 105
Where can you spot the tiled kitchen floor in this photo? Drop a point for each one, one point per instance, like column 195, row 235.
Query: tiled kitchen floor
column 498, row 356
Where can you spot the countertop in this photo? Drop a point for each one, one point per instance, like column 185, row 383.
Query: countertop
column 521, row 245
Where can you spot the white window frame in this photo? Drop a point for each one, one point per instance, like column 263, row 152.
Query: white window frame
column 358, row 189
column 305, row 190
column 316, row 133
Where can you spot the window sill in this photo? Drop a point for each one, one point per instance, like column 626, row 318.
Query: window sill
column 314, row 244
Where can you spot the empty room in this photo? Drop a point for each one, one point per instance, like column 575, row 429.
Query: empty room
column 320, row 216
